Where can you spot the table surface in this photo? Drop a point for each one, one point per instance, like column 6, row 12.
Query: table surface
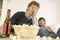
column 17, row 39
column 5, row 39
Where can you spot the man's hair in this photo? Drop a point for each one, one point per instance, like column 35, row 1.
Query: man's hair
column 41, row 18
column 9, row 10
column 33, row 3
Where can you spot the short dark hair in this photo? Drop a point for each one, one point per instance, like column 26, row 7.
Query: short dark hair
column 34, row 3
column 42, row 18
column 9, row 10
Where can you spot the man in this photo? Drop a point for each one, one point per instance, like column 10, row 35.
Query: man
column 46, row 31
column 20, row 18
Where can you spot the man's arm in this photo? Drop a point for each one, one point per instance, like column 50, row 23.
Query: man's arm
column 49, row 29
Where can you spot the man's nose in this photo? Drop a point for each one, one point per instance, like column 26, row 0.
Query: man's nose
column 32, row 8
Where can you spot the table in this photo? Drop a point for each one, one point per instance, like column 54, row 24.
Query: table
column 5, row 39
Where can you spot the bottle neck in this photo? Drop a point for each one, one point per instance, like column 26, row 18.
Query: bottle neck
column 6, row 20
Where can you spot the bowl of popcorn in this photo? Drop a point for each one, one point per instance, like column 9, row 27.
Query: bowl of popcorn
column 26, row 31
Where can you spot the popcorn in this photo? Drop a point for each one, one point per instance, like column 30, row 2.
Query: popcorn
column 13, row 37
column 44, row 38
column 49, row 38
column 57, row 38
column 26, row 31
column 38, row 38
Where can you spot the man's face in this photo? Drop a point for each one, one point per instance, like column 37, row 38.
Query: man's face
column 32, row 11
column 41, row 22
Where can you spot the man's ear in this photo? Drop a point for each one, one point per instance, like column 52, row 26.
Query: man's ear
column 26, row 9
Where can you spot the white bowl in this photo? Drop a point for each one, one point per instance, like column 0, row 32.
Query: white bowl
column 26, row 31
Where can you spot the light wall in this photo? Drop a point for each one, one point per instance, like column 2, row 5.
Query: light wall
column 4, row 11
column 48, row 9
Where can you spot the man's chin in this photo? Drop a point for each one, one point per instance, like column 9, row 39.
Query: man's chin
column 31, row 16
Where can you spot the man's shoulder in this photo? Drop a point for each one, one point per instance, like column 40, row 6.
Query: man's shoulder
column 20, row 12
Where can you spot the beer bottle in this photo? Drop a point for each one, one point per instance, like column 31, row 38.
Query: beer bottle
column 6, row 23
column 9, row 29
